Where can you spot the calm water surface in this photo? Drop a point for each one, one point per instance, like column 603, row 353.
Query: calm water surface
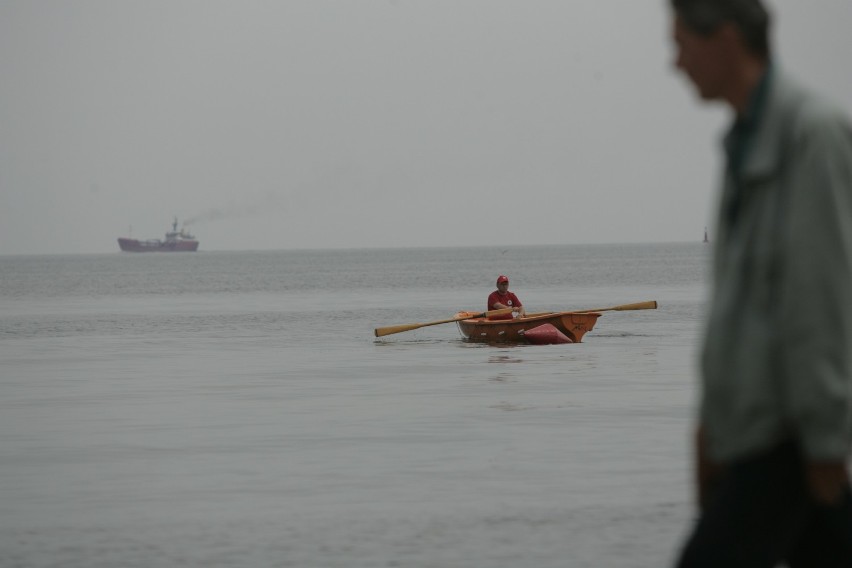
column 235, row 409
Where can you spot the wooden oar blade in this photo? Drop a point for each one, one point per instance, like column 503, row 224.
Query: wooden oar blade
column 649, row 305
column 382, row 331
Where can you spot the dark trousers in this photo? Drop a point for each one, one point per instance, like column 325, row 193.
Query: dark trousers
column 760, row 515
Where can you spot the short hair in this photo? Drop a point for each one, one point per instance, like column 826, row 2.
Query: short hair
column 750, row 16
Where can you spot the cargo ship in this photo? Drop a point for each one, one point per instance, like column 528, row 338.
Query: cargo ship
column 176, row 241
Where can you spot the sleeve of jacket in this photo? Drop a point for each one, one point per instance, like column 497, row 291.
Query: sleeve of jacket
column 816, row 298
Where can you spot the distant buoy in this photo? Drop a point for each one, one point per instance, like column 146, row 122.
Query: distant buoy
column 706, row 240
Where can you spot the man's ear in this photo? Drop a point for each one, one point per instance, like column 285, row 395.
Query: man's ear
column 729, row 34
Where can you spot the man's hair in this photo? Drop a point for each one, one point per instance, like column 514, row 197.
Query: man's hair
column 749, row 16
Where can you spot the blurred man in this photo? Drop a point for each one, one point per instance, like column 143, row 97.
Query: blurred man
column 775, row 423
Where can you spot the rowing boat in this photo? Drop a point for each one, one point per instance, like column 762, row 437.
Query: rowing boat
column 573, row 324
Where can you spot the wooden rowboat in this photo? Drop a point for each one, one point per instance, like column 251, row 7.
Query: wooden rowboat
column 573, row 324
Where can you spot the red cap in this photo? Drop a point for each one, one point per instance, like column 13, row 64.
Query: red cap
column 502, row 278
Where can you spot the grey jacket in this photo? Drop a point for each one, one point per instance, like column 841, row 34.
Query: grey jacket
column 777, row 352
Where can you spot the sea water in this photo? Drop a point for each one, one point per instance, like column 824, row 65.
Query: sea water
column 235, row 409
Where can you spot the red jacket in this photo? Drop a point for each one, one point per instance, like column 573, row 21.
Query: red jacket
column 507, row 299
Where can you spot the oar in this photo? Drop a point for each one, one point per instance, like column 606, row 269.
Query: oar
column 380, row 331
column 649, row 305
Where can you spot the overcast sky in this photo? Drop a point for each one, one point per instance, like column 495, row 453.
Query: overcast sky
column 365, row 123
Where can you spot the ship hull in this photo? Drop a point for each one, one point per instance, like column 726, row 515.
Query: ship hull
column 135, row 245
column 573, row 325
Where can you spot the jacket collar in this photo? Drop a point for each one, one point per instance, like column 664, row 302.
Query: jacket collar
column 767, row 116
